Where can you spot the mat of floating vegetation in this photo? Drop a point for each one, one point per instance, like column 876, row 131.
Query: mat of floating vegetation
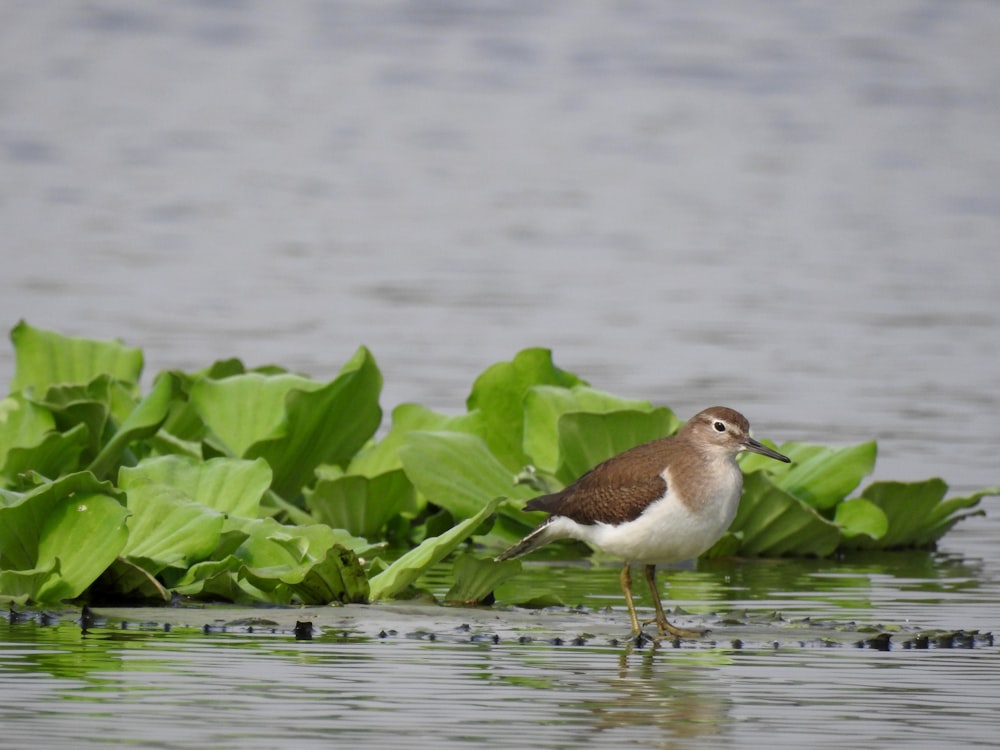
column 555, row 626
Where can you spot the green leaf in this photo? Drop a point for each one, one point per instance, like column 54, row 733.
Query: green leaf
column 24, row 515
column 819, row 475
column 403, row 572
column 917, row 512
column 228, row 485
column 55, row 454
column 587, row 439
column 22, row 424
column 456, row 471
column 382, row 456
column 225, row 406
column 168, row 529
column 359, row 504
column 88, row 405
column 529, row 592
column 29, row 441
column 125, row 578
column 295, row 424
column 218, row 579
column 20, row 586
column 142, row 422
column 325, row 426
column 544, row 406
column 46, row 358
column 946, row 514
column 499, row 393
column 277, row 559
column 771, row 522
column 727, row 546
column 223, row 368
column 183, row 431
column 859, row 516
column 908, row 506
column 338, row 577
column 83, row 533
column 476, row 578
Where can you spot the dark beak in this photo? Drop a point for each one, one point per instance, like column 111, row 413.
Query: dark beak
column 752, row 445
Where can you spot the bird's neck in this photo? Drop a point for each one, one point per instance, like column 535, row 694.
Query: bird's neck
column 703, row 479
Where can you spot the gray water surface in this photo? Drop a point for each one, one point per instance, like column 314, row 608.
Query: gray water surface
column 790, row 208
column 456, row 677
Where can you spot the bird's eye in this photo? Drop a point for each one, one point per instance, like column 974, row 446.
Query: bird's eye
column 719, row 426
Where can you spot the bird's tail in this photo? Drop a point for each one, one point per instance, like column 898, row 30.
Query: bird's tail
column 537, row 538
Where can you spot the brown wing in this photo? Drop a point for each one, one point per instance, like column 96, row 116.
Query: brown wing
column 618, row 490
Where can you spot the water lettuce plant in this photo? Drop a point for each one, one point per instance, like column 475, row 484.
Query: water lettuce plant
column 262, row 485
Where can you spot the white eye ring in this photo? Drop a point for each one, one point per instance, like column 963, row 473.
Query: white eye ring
column 719, row 426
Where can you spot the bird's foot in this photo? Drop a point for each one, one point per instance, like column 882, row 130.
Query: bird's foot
column 666, row 630
column 639, row 639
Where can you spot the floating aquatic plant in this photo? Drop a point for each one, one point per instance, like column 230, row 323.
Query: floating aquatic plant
column 259, row 485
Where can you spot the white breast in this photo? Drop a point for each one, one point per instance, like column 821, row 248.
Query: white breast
column 669, row 530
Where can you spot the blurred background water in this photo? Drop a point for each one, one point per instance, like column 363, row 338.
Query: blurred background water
column 790, row 208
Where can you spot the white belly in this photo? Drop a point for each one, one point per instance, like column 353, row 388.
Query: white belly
column 668, row 531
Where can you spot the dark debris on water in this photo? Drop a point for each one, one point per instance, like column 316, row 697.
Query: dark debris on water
column 306, row 629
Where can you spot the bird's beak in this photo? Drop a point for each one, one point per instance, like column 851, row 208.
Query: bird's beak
column 752, row 445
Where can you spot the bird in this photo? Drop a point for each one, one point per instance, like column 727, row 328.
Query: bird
column 663, row 501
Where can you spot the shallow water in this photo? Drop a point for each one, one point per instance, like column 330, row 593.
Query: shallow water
column 788, row 659
column 319, row 694
column 451, row 676
column 790, row 208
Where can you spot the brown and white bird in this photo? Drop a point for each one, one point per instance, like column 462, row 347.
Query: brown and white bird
column 663, row 501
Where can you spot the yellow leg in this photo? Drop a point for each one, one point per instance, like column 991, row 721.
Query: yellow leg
column 662, row 625
column 626, row 582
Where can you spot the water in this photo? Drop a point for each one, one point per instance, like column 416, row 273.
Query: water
column 787, row 661
column 457, row 677
column 321, row 695
column 790, row 208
